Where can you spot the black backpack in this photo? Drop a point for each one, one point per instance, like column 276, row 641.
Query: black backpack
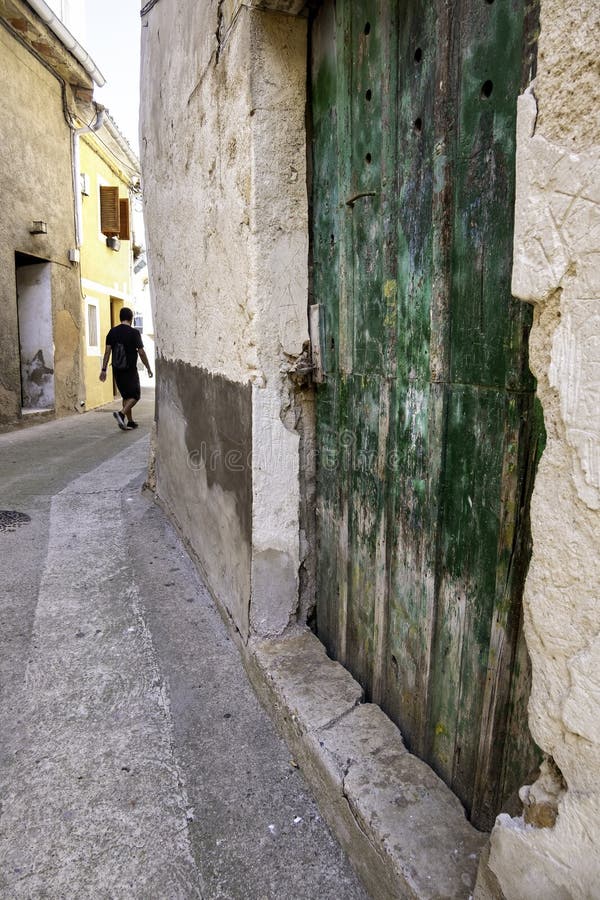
column 119, row 357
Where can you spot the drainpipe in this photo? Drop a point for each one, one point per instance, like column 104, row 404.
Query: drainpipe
column 67, row 39
column 75, row 135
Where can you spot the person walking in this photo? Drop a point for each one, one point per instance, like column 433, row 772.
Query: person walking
column 125, row 343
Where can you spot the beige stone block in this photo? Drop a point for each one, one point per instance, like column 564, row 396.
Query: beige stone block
column 410, row 814
column 313, row 689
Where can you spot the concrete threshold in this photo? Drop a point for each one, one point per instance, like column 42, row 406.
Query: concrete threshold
column 404, row 830
column 28, row 418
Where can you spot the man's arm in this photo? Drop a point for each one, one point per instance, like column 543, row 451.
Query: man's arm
column 107, row 353
column 144, row 359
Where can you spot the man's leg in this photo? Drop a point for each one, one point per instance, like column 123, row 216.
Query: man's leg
column 120, row 418
column 131, row 393
column 127, row 407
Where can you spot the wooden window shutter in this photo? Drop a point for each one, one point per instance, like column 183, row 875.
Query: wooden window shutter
column 109, row 210
column 125, row 230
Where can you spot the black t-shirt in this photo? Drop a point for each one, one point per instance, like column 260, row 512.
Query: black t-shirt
column 131, row 340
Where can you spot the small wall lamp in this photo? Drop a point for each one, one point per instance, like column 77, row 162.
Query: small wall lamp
column 38, row 228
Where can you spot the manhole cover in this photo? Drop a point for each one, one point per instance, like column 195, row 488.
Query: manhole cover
column 11, row 519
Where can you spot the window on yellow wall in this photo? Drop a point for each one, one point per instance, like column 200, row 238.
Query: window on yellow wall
column 93, row 329
column 124, row 225
column 101, row 185
column 114, row 213
column 110, row 219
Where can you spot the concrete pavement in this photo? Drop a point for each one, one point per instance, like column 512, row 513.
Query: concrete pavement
column 135, row 758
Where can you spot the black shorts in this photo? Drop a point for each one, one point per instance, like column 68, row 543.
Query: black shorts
column 128, row 383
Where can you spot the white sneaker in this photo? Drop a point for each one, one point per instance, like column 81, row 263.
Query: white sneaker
column 120, row 420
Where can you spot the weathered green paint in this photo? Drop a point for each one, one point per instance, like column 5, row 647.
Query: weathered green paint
column 426, row 428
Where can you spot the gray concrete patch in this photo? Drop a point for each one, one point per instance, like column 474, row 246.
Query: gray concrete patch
column 256, row 831
column 42, row 460
column 35, row 464
column 311, row 688
column 136, row 760
column 92, row 801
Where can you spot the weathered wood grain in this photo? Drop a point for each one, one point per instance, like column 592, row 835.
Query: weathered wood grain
column 426, row 428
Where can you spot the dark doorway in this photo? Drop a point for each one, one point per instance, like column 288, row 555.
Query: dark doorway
column 36, row 334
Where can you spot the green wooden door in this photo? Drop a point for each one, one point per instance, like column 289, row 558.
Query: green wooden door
column 427, row 430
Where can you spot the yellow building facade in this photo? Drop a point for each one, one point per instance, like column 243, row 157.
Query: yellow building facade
column 109, row 173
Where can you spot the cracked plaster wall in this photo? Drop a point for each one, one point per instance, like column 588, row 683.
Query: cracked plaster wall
column 223, row 161
column 557, row 269
column 36, row 184
column 280, row 292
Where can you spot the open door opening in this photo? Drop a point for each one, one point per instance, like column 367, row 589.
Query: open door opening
column 36, row 338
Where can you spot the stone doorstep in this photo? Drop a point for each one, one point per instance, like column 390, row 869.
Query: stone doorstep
column 405, row 832
column 27, row 419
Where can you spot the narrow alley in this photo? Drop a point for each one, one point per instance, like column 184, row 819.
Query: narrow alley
column 136, row 760
column 326, row 626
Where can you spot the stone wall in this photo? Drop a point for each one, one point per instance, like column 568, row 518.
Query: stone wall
column 36, row 184
column 223, row 158
column 553, row 851
column 223, row 154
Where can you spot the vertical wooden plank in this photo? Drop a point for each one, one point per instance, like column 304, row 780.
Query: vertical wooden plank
column 505, row 618
column 342, row 15
column 381, row 596
column 476, row 606
column 370, row 37
column 328, row 605
column 486, row 322
column 389, row 331
column 326, row 228
column 410, row 613
column 506, row 753
column 446, row 24
column 412, row 545
column 365, row 512
column 326, row 240
column 469, row 541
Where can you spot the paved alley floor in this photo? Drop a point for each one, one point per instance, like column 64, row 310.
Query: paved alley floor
column 135, row 760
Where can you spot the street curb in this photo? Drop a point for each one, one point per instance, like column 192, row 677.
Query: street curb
column 403, row 829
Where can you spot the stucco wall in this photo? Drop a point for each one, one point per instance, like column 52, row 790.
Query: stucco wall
column 96, row 391
column 557, row 268
column 36, row 184
column 279, row 290
column 223, row 162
